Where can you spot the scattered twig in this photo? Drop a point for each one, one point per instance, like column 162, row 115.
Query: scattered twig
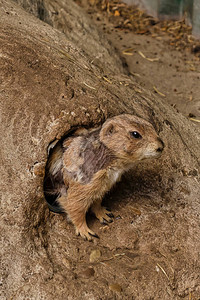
column 137, row 90
column 149, row 59
column 133, row 19
column 190, row 296
column 195, row 120
column 135, row 74
column 113, row 257
column 157, row 91
column 91, row 87
column 128, row 51
column 106, row 79
column 65, row 54
column 163, row 271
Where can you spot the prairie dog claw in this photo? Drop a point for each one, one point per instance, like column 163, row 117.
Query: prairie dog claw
column 103, row 214
column 86, row 233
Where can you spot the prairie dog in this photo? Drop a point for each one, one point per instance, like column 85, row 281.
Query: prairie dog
column 84, row 166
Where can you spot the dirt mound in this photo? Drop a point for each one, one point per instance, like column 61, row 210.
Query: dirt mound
column 52, row 82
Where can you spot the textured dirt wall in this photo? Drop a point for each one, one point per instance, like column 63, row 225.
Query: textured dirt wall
column 51, row 82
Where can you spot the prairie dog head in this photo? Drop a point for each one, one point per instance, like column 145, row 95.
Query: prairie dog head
column 131, row 138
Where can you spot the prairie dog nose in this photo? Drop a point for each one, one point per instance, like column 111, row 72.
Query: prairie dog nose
column 161, row 145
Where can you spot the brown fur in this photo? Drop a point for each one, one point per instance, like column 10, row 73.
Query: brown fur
column 92, row 161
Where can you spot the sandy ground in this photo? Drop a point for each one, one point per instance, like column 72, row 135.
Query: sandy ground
column 172, row 72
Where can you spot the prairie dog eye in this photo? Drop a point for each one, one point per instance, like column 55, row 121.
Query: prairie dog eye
column 135, row 135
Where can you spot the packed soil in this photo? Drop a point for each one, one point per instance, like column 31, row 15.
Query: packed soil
column 51, row 83
column 162, row 56
column 126, row 257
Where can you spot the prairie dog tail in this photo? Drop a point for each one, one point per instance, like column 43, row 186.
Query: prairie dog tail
column 53, row 182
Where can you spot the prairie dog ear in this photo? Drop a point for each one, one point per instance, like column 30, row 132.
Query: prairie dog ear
column 108, row 130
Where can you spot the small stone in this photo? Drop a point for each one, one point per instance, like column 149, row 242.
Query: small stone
column 136, row 211
column 115, row 287
column 87, row 273
column 66, row 262
column 184, row 171
column 38, row 169
column 95, row 255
